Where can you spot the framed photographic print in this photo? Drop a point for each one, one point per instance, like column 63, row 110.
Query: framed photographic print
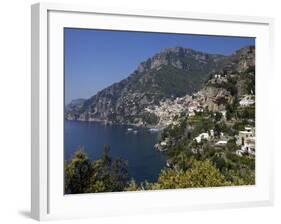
column 148, row 111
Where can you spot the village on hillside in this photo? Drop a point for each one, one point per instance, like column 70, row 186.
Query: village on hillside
column 229, row 121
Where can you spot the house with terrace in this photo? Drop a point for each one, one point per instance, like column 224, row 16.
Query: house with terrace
column 246, row 139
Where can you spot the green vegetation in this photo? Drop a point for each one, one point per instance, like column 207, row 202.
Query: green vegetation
column 104, row 175
column 229, row 85
column 249, row 76
column 107, row 175
column 169, row 81
column 78, row 173
column 184, row 152
column 172, row 81
column 208, row 162
column 191, row 163
column 231, row 109
column 201, row 174
column 150, row 118
column 224, row 160
column 246, row 112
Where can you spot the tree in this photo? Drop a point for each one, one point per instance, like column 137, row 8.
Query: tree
column 106, row 160
column 103, row 175
column 217, row 130
column 219, row 162
column 248, row 178
column 231, row 108
column 113, row 174
column 201, row 174
column 119, row 174
column 218, row 116
column 132, row 186
column 228, row 115
column 78, row 173
column 231, row 145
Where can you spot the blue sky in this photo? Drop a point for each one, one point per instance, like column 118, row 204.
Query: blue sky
column 95, row 59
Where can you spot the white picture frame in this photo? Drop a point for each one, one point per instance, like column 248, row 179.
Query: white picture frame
column 48, row 201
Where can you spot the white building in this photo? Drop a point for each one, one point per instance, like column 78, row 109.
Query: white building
column 246, row 139
column 217, row 76
column 191, row 114
column 194, row 106
column 239, row 152
column 202, row 136
column 247, row 101
column 221, row 143
column 248, row 132
column 223, row 112
column 249, row 146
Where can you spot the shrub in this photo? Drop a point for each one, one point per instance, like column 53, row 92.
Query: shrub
column 201, row 174
column 104, row 175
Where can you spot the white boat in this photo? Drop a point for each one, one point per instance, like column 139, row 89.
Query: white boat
column 135, row 131
column 129, row 129
column 153, row 129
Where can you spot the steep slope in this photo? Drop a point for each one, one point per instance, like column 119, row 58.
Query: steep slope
column 209, row 124
column 222, row 91
column 174, row 72
column 74, row 108
column 234, row 79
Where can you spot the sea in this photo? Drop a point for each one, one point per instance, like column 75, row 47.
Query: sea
column 134, row 144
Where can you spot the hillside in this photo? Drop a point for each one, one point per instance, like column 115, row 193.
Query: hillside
column 204, row 113
column 172, row 73
column 216, row 123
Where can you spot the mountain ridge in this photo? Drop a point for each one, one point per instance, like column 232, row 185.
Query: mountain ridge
column 173, row 72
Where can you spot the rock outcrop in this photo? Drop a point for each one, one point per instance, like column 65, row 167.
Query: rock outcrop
column 174, row 72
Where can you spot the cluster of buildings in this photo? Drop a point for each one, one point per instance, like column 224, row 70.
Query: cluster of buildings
column 245, row 140
column 202, row 136
column 193, row 107
column 218, row 78
column 209, row 136
column 168, row 109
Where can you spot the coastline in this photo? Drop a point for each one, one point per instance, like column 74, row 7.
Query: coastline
column 106, row 122
column 137, row 148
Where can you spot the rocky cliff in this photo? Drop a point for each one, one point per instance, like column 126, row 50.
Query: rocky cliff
column 174, row 72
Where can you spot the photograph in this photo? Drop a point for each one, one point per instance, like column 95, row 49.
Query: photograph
column 156, row 111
